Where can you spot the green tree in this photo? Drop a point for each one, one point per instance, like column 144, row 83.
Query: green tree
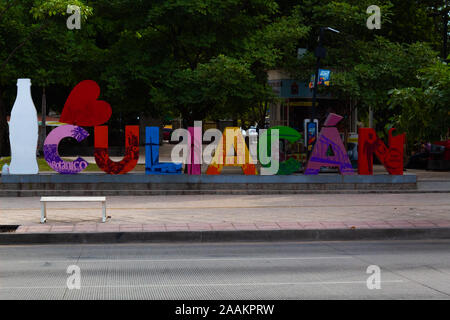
column 273, row 46
column 209, row 59
column 200, row 37
column 382, row 66
column 424, row 109
column 34, row 43
column 367, row 64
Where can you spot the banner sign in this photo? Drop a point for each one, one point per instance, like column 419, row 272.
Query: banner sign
column 324, row 78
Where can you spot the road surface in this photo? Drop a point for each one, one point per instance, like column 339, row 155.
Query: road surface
column 314, row 270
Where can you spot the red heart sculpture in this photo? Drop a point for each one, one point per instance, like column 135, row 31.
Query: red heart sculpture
column 82, row 107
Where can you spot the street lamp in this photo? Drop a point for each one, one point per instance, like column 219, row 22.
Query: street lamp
column 320, row 53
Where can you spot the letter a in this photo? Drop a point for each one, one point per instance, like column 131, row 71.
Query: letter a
column 232, row 139
column 329, row 137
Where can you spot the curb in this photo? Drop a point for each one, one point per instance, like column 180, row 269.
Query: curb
column 39, row 193
column 226, row 236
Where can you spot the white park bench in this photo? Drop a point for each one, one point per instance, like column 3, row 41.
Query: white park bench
column 44, row 201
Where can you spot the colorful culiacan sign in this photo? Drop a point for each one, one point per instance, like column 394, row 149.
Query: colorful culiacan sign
column 83, row 109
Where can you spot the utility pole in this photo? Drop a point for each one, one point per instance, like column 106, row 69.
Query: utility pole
column 445, row 18
column 43, row 132
column 320, row 53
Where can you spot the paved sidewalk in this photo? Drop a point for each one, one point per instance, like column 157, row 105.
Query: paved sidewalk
column 319, row 225
column 234, row 212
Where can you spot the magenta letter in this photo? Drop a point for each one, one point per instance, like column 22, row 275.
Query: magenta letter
column 329, row 136
column 195, row 151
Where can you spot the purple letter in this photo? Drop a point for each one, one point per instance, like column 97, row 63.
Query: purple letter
column 329, row 137
column 51, row 149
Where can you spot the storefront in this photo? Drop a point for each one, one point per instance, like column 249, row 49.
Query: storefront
column 295, row 106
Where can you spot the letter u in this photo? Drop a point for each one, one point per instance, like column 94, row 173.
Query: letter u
column 131, row 157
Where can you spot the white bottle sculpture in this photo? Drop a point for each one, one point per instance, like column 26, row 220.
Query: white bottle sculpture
column 23, row 131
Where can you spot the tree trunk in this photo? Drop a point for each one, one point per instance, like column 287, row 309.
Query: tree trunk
column 4, row 132
column 43, row 127
column 261, row 116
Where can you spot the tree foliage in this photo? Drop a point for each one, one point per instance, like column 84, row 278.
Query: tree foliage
column 425, row 108
column 34, row 43
column 208, row 59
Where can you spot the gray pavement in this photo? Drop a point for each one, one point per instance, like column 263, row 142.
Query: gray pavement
column 332, row 270
column 233, row 209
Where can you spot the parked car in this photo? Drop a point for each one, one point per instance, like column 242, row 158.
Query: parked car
column 439, row 156
column 252, row 131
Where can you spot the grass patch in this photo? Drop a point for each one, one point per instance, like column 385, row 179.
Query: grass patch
column 43, row 165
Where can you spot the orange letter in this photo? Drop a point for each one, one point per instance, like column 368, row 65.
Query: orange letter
column 232, row 138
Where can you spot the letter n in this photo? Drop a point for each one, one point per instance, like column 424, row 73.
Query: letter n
column 369, row 144
column 131, row 150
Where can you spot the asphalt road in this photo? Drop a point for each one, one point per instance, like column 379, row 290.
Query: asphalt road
column 315, row 270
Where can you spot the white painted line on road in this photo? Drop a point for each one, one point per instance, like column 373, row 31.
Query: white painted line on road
column 81, row 260
column 315, row 283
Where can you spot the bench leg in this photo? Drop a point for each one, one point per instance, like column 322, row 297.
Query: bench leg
column 43, row 212
column 104, row 211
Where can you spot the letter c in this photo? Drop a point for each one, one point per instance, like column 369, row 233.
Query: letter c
column 51, row 154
